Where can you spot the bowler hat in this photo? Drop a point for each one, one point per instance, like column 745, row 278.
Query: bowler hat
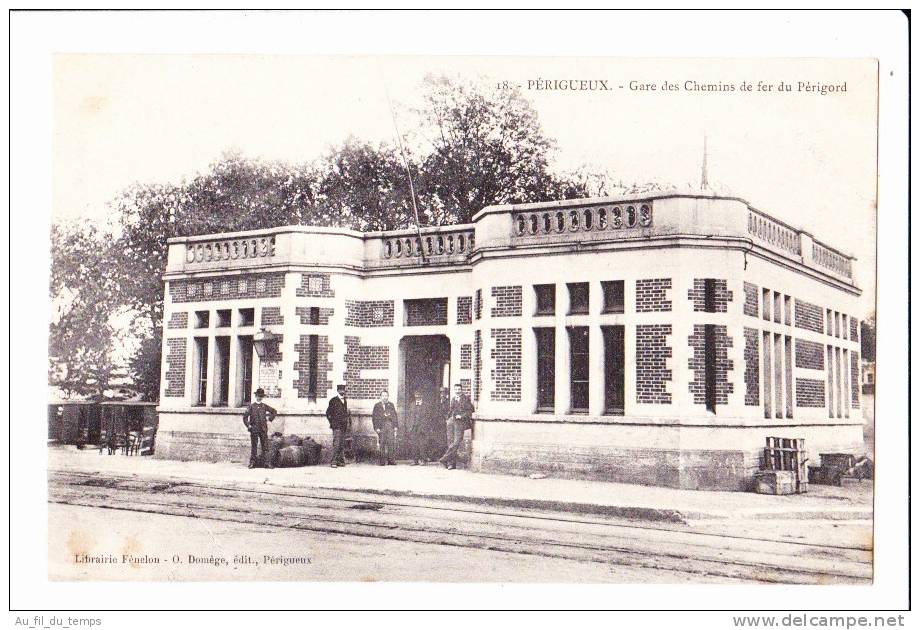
column 260, row 392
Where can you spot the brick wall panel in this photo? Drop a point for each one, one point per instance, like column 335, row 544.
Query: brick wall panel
column 369, row 314
column 175, row 371
column 652, row 372
column 323, row 367
column 178, row 320
column 507, row 301
column 723, row 296
column 217, row 288
column 271, row 315
column 854, row 329
column 652, row 295
column 751, row 367
column 809, row 316
column 322, row 286
column 477, row 304
column 854, row 380
column 465, row 309
column 751, row 297
column 506, row 376
column 809, row 354
column 303, row 312
column 466, row 356
column 697, row 363
column 357, row 358
column 477, row 365
column 809, row 392
column 429, row 312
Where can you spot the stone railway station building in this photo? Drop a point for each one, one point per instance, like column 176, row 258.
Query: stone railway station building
column 654, row 339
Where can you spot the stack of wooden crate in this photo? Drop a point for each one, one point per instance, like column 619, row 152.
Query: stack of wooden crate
column 783, row 467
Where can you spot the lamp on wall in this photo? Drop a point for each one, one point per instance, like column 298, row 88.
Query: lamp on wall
column 265, row 343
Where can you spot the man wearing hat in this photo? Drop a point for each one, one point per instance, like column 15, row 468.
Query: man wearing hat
column 385, row 421
column 339, row 417
column 256, row 419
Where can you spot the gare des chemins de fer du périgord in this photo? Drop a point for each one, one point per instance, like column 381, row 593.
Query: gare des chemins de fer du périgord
column 655, row 339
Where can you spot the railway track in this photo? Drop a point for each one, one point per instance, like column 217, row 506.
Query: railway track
column 730, row 554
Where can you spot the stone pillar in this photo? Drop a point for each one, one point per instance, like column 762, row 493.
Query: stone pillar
column 563, row 392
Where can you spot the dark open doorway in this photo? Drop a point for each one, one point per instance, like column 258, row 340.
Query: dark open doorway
column 424, row 366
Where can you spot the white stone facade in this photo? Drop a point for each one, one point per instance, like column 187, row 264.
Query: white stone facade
column 670, row 389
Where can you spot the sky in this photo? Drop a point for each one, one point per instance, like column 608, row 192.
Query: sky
column 805, row 158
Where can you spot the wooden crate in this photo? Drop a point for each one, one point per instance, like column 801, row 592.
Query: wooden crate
column 787, row 455
column 775, row 482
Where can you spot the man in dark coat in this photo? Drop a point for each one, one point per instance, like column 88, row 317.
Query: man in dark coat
column 416, row 428
column 460, row 418
column 385, row 423
column 256, row 418
column 339, row 418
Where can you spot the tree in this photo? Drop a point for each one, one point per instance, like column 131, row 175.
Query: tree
column 235, row 194
column 367, row 187
column 867, row 337
column 486, row 147
column 81, row 338
column 475, row 146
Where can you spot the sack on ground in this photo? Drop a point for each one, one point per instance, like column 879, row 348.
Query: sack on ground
column 274, row 446
column 293, row 440
column 311, row 451
column 291, row 456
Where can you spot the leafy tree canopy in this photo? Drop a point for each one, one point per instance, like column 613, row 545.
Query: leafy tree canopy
column 473, row 147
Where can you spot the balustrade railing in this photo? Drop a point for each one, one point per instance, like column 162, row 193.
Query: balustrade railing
column 772, row 232
column 594, row 219
column 230, row 249
column 433, row 244
column 829, row 259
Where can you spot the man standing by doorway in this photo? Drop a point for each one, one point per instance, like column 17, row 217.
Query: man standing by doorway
column 256, row 418
column 460, row 418
column 385, row 422
column 416, row 427
column 338, row 415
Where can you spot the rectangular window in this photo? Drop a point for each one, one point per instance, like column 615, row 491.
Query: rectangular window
column 313, row 366
column 578, row 368
column 244, row 371
column 837, row 381
column 221, row 371
column 788, row 372
column 778, row 376
column 830, row 381
column 846, row 383
column 200, row 385
column 766, row 304
column 223, row 318
column 546, row 299
column 247, row 317
column 314, row 315
column 614, row 370
column 613, row 296
column 767, row 377
column 709, row 366
column 578, row 298
column 546, row 369
column 787, row 304
column 837, row 329
column 830, row 323
column 202, row 319
column 777, row 307
column 709, row 295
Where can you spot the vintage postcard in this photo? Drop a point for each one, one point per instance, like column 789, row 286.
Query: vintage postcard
column 462, row 319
